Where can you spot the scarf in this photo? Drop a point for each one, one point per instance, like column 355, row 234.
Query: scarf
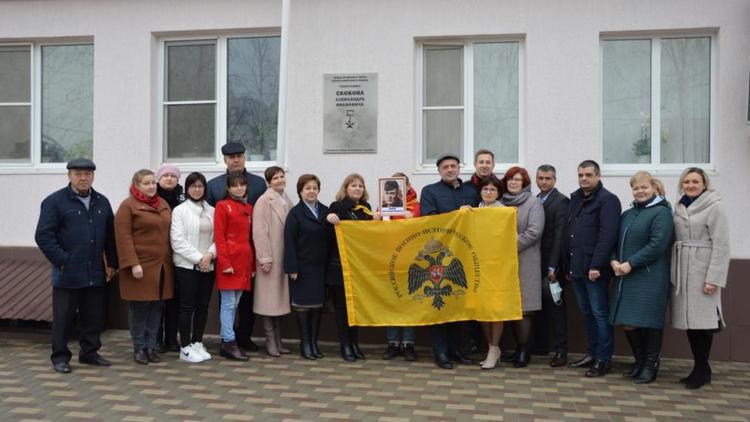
column 173, row 197
column 686, row 200
column 152, row 202
column 242, row 199
column 411, row 200
column 364, row 209
column 510, row 200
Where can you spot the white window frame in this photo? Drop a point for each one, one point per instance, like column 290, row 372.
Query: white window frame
column 468, row 88
column 220, row 126
column 665, row 169
column 35, row 164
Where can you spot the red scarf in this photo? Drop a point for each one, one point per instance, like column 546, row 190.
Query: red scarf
column 152, row 202
column 411, row 200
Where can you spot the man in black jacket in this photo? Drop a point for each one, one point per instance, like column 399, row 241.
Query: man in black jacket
column 76, row 233
column 553, row 313
column 592, row 227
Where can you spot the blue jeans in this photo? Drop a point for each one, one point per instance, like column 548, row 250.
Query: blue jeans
column 395, row 337
column 144, row 318
column 593, row 302
column 230, row 299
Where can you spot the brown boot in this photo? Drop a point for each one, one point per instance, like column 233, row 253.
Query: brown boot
column 229, row 350
column 277, row 330
column 271, row 347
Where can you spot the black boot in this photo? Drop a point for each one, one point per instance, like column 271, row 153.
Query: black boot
column 523, row 357
column 314, row 330
column 354, row 339
column 702, row 372
column 694, row 340
column 653, row 350
column 303, row 326
column 637, row 345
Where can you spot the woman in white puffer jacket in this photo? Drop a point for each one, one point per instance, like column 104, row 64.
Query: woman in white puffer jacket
column 192, row 238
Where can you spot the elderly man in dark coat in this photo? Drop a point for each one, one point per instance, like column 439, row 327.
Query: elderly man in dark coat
column 76, row 233
column 446, row 195
column 591, row 235
column 234, row 158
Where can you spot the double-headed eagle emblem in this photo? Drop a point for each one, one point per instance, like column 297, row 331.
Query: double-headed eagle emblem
column 434, row 254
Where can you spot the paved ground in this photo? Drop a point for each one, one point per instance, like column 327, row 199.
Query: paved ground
column 291, row 388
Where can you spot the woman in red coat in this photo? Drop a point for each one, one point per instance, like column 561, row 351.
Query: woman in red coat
column 234, row 258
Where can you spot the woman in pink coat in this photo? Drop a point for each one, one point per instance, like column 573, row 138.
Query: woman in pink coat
column 234, row 258
column 271, row 284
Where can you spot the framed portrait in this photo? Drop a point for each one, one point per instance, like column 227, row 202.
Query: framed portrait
column 392, row 195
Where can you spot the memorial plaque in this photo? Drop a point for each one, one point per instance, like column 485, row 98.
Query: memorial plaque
column 350, row 113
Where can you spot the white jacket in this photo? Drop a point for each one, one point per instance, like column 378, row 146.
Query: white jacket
column 185, row 233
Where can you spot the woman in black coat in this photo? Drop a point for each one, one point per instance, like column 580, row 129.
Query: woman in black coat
column 351, row 204
column 305, row 258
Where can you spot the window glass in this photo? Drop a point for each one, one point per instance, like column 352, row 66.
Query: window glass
column 443, row 76
column 627, row 101
column 191, row 72
column 190, row 129
column 685, row 100
column 67, row 102
column 444, row 131
column 15, row 133
column 496, row 99
column 253, row 95
column 15, row 74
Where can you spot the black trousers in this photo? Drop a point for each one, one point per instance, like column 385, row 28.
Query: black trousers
column 195, row 295
column 246, row 318
column 342, row 321
column 89, row 303
column 552, row 318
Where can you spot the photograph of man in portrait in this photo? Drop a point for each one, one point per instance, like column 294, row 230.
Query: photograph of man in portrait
column 392, row 195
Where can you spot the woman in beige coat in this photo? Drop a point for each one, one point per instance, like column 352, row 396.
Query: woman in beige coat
column 271, row 292
column 142, row 235
column 700, row 261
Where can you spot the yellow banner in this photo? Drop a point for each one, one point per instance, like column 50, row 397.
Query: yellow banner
column 457, row 266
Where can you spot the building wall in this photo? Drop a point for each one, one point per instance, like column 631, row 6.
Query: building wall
column 561, row 89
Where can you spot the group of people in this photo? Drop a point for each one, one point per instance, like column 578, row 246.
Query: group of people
column 270, row 258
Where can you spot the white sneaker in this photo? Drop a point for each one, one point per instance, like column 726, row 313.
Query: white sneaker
column 201, row 350
column 189, row 354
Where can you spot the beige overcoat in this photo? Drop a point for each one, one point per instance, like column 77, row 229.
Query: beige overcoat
column 700, row 255
column 271, row 289
column 142, row 237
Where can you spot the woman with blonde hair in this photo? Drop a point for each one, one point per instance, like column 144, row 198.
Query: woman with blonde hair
column 641, row 267
column 142, row 226
column 700, row 262
column 351, row 204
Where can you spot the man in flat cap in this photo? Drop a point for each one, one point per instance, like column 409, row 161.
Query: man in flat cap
column 76, row 233
column 234, row 158
column 446, row 195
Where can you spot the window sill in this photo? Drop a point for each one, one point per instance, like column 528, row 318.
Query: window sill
column 26, row 170
column 627, row 170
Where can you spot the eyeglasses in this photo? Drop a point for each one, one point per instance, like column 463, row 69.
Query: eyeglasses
column 486, row 189
column 196, row 187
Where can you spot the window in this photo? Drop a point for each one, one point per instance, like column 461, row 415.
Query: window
column 469, row 99
column 657, row 100
column 217, row 91
column 46, row 103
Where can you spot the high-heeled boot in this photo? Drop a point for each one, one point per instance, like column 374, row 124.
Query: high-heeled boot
column 277, row 331
column 314, row 330
column 269, row 329
column 653, row 350
column 702, row 374
column 354, row 339
column 493, row 355
column 635, row 339
column 303, row 326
